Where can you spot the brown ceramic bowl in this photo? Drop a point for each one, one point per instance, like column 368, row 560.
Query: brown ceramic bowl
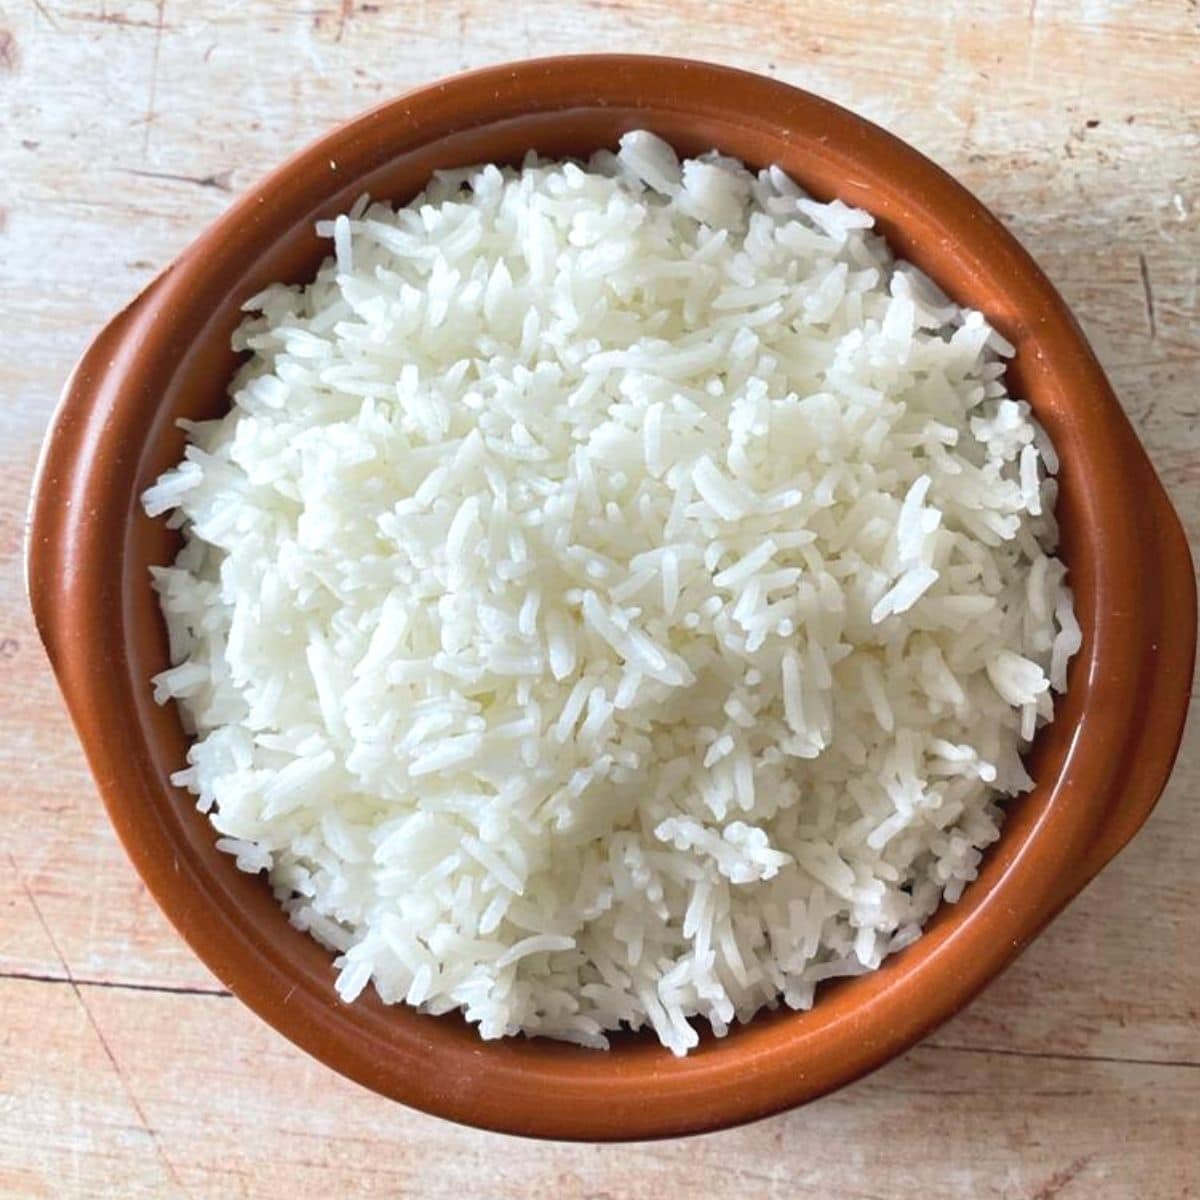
column 1100, row 766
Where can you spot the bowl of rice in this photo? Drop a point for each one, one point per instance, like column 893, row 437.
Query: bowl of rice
column 608, row 596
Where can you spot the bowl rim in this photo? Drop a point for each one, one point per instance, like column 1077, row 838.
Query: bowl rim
column 70, row 583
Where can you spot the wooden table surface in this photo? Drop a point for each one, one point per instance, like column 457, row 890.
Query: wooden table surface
column 125, row 1069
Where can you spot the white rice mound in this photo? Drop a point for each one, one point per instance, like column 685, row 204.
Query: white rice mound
column 617, row 594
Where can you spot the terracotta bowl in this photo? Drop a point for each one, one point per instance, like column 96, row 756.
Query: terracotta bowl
column 1100, row 766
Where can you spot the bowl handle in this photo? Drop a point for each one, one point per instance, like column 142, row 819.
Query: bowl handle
column 1168, row 655
column 69, row 442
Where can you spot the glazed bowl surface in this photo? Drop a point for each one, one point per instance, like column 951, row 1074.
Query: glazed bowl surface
column 1099, row 766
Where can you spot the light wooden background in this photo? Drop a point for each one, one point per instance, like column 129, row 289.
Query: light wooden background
column 125, row 1070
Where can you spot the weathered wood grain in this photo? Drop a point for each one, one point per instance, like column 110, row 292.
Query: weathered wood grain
column 127, row 126
column 189, row 1118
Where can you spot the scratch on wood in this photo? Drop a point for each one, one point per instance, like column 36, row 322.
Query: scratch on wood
column 48, row 15
column 221, row 180
column 1061, row 1179
column 1148, row 296
column 345, row 12
column 116, row 985
column 1058, row 1055
column 106, row 18
column 151, row 1132
column 158, row 33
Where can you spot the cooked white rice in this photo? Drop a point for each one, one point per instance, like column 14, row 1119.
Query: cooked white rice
column 617, row 594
